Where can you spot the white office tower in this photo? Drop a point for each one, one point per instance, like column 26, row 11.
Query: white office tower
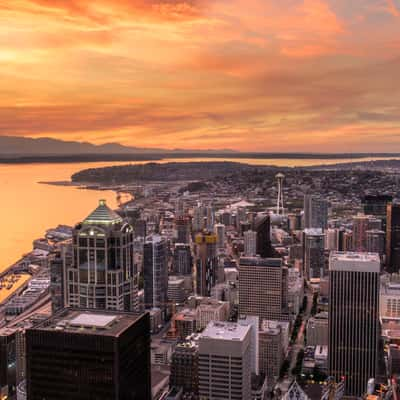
column 353, row 318
column 198, row 218
column 210, row 214
column 332, row 239
column 219, row 230
column 250, row 243
column 389, row 305
column 225, row 362
column 254, row 323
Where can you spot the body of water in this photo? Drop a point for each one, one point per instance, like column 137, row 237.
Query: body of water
column 28, row 208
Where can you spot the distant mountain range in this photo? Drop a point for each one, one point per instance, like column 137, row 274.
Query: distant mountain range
column 21, row 146
column 15, row 149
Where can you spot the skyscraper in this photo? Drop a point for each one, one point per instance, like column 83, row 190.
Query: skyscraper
column 332, row 239
column 80, row 354
column 393, row 237
column 263, row 241
column 263, row 288
column 155, row 268
column 182, row 226
column 250, row 243
column 315, row 212
column 225, row 361
column 376, row 204
column 199, row 215
column 206, row 262
column 183, row 260
column 353, row 318
column 210, row 217
column 376, row 241
column 102, row 274
column 59, row 264
column 219, row 230
column 314, row 253
column 360, row 227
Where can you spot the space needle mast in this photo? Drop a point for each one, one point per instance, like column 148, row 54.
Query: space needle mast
column 279, row 204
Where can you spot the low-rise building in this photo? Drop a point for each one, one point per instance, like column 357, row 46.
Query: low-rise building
column 273, row 345
column 185, row 323
column 317, row 330
column 211, row 310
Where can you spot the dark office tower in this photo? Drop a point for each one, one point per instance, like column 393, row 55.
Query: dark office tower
column 263, row 242
column 314, row 254
column 315, row 212
column 353, row 319
column 376, row 204
column 393, row 237
column 89, row 355
column 376, row 241
column 7, row 362
column 263, row 288
column 206, row 262
column 182, row 226
column 226, row 218
column 155, row 267
column 102, row 273
column 61, row 262
column 184, row 368
column 140, row 228
column 183, row 260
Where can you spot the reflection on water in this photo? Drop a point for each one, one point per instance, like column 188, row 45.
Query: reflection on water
column 28, row 208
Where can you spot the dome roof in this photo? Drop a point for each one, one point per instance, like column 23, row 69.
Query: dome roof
column 102, row 215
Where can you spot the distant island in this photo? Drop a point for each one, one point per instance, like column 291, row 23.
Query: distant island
column 195, row 171
column 175, row 171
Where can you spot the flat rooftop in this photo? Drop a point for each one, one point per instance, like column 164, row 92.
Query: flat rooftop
column 11, row 283
column 106, row 323
column 225, row 331
column 260, row 262
column 354, row 261
column 313, row 232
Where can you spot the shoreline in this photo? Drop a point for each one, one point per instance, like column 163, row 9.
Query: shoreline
column 154, row 157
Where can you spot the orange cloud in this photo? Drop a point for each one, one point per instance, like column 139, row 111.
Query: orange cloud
column 393, row 8
column 247, row 74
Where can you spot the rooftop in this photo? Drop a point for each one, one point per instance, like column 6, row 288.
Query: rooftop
column 225, row 331
column 354, row 261
column 260, row 262
column 102, row 215
column 313, row 231
column 105, row 323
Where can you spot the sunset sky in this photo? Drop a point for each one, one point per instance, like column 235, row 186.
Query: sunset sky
column 253, row 75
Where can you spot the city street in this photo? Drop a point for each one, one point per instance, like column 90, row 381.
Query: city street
column 299, row 345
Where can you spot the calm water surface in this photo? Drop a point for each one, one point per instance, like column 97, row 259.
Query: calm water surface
column 28, row 208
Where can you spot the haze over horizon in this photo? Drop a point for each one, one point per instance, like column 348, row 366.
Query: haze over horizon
column 248, row 75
